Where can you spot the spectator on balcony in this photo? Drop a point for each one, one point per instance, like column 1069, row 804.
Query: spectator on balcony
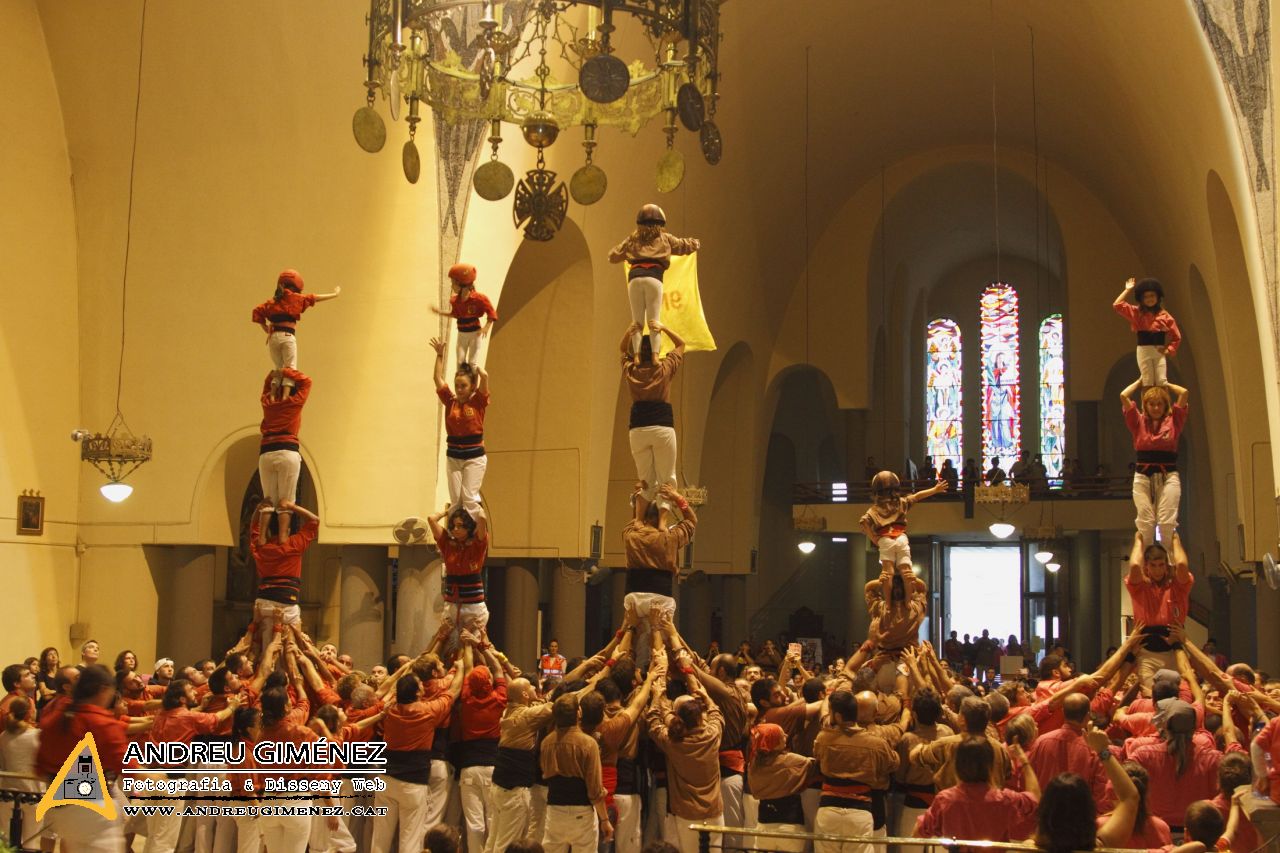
column 995, row 474
column 1020, row 470
column 949, row 473
column 970, row 474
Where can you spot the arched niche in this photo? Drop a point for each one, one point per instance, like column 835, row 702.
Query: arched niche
column 536, row 435
column 728, row 461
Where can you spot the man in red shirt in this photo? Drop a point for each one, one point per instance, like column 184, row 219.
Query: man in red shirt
column 468, row 306
column 177, row 723
column 19, row 682
column 1064, row 750
column 409, row 729
column 279, row 462
column 1161, row 596
column 484, row 697
column 279, row 564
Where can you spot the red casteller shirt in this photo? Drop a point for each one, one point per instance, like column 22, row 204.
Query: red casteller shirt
column 282, row 419
column 469, row 311
column 1169, row 794
column 1064, row 750
column 1269, row 740
column 284, row 313
column 413, row 727
column 464, row 422
column 1149, row 435
column 482, row 715
column 976, row 810
column 465, row 559
column 281, row 561
column 1160, row 604
column 1151, row 321
column 59, row 736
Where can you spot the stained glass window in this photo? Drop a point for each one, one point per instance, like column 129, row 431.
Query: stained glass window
column 943, row 395
column 1001, row 433
column 1053, row 411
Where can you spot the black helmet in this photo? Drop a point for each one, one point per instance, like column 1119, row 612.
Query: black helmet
column 1148, row 285
column 651, row 214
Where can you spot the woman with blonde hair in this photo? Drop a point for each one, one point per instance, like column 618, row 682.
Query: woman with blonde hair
column 1156, row 429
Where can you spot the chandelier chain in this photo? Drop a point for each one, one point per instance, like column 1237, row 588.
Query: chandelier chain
column 128, row 228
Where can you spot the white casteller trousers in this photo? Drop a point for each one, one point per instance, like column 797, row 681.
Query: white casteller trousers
column 645, row 295
column 279, row 471
column 283, row 348
column 1151, row 365
column 1156, row 498
column 466, row 477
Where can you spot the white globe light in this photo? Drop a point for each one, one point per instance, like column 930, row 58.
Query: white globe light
column 1043, row 556
column 806, row 546
column 1001, row 529
column 116, row 492
column 1053, row 567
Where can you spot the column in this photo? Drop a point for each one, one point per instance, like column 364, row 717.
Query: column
column 520, row 612
column 734, row 608
column 1085, row 598
column 859, row 619
column 419, row 603
column 568, row 612
column 694, row 612
column 364, row 573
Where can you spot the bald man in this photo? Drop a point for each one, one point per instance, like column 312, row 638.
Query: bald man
column 514, row 773
column 1064, row 750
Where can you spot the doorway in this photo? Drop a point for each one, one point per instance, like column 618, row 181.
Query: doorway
column 984, row 590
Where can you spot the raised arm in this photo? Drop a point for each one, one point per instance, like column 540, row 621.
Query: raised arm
column 268, row 662
column 1135, row 560
column 937, row 488
column 433, row 522
column 1116, row 831
column 669, row 492
column 624, row 346
column 438, row 372
column 1181, row 394
column 676, row 340
column 1124, row 294
column 1181, row 567
column 638, row 501
column 1029, row 781
column 325, row 297
column 290, row 506
column 618, row 253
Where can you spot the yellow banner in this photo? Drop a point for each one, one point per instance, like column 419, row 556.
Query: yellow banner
column 682, row 305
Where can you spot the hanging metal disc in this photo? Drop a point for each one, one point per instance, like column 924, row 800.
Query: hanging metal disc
column 670, row 170
column 690, row 107
column 411, row 162
column 604, row 78
column 369, row 129
column 712, row 145
column 588, row 184
column 493, row 180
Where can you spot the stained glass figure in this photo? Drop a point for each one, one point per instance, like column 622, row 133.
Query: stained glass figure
column 1001, row 406
column 1053, row 408
column 943, row 402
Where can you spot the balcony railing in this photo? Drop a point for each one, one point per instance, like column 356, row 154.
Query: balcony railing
column 765, row 841
column 1074, row 489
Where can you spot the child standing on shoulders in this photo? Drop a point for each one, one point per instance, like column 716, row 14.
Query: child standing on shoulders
column 649, row 249
column 1157, row 331
column 279, row 316
column 467, row 305
column 885, row 524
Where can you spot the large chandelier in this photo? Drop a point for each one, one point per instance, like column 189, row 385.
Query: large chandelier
column 488, row 62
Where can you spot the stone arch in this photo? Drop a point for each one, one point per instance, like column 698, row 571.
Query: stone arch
column 537, row 449
column 727, row 466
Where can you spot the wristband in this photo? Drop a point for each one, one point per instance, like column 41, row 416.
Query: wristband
column 618, row 634
column 684, row 505
column 687, row 670
column 1104, row 754
column 1222, row 844
column 610, row 662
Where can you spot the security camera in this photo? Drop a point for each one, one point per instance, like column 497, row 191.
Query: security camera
column 79, row 434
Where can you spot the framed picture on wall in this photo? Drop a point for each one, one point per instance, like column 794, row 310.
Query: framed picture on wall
column 30, row 515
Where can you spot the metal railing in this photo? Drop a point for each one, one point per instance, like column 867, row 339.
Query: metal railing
column 12, row 792
column 953, row 845
column 1073, row 489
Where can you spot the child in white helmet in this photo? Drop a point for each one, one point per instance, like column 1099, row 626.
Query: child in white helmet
column 649, row 249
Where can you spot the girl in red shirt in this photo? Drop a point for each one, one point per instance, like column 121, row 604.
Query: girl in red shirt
column 464, row 410
column 468, row 306
column 1157, row 331
column 463, row 548
column 1156, row 430
column 279, row 316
